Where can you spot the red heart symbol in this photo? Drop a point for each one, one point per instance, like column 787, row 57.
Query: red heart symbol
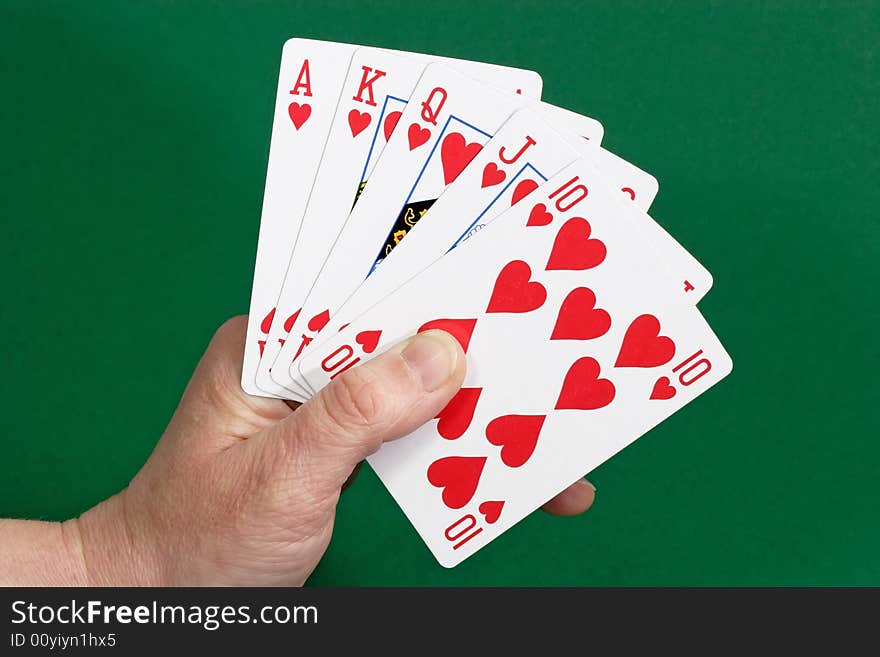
column 662, row 389
column 266, row 324
column 358, row 122
column 458, row 476
column 455, row 153
column 514, row 292
column 643, row 346
column 368, row 340
column 492, row 175
column 318, row 322
column 583, row 389
column 573, row 248
column 539, row 216
column 460, row 329
column 578, row 317
column 417, row 136
column 516, row 435
column 523, row 189
column 456, row 417
column 491, row 510
column 299, row 114
column 390, row 123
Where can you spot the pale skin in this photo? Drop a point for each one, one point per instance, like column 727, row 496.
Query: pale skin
column 242, row 490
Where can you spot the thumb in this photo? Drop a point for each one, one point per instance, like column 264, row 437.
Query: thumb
column 380, row 400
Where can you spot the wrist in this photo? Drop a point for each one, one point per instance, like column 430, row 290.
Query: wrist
column 110, row 548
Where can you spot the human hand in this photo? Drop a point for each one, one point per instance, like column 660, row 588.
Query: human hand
column 242, row 490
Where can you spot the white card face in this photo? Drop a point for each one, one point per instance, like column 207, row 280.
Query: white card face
column 694, row 280
column 477, row 195
column 374, row 94
column 376, row 89
column 519, row 158
column 586, row 308
column 309, row 82
column 439, row 132
column 639, row 185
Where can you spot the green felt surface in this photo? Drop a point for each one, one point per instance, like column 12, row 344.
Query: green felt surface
column 133, row 147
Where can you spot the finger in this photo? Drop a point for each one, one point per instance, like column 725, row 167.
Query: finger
column 220, row 371
column 573, row 501
column 381, row 400
column 214, row 412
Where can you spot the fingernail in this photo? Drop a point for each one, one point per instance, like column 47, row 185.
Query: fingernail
column 590, row 484
column 433, row 356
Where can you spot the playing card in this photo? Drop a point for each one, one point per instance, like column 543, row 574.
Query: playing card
column 524, row 152
column 309, row 82
column 471, row 191
column 440, row 131
column 574, row 296
column 374, row 94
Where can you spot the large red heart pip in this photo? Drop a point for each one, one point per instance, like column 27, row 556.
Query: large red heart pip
column 458, row 476
column 299, row 114
column 573, row 248
column 662, row 389
column 516, row 435
column 457, row 415
column 455, row 154
column 460, row 329
column 492, row 175
column 582, row 388
column 417, row 135
column 578, row 317
column 514, row 292
column 368, row 340
column 358, row 122
column 643, row 346
column 390, row 123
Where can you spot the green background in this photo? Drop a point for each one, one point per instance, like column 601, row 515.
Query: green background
column 133, row 147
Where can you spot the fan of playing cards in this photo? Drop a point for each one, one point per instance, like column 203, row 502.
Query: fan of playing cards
column 408, row 192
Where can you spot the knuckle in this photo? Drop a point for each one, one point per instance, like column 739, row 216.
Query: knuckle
column 355, row 401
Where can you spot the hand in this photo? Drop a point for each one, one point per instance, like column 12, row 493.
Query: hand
column 242, row 490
